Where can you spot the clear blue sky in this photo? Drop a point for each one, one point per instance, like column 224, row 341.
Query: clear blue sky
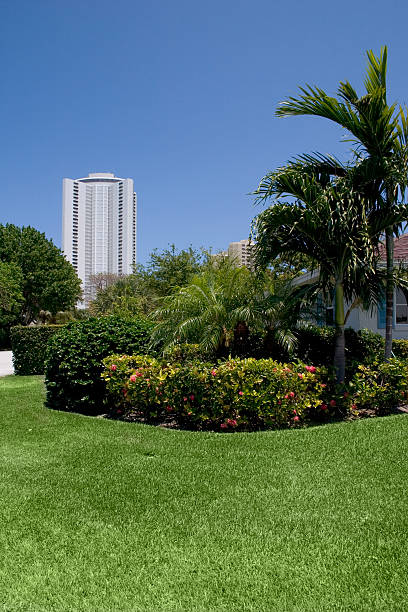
column 178, row 95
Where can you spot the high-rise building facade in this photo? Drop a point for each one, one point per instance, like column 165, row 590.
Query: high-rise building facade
column 99, row 223
column 239, row 252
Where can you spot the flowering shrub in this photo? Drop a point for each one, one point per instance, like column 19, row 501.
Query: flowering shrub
column 238, row 394
column 380, row 386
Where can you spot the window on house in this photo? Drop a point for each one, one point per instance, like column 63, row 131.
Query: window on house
column 401, row 306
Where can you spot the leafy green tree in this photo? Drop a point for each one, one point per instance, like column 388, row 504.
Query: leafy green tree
column 380, row 133
column 11, row 295
column 129, row 296
column 139, row 293
column 49, row 280
column 219, row 305
column 334, row 226
column 170, row 269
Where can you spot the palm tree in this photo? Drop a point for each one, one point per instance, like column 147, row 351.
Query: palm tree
column 379, row 131
column 221, row 302
column 331, row 223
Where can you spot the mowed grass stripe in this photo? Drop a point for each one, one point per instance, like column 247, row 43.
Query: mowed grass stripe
column 102, row 515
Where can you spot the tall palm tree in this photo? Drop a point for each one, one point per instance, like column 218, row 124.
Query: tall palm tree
column 335, row 226
column 379, row 131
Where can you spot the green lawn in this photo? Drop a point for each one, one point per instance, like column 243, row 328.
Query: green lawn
column 102, row 515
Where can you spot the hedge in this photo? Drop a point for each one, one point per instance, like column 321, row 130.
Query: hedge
column 29, row 346
column 74, row 360
column 237, row 394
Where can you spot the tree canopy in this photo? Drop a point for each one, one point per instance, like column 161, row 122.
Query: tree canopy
column 48, row 281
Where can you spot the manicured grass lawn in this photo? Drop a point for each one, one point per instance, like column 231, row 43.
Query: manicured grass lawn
column 101, row 515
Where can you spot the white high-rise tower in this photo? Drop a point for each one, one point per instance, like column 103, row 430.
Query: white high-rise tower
column 99, row 226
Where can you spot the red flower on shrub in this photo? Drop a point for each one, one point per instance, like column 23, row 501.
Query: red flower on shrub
column 184, row 399
column 124, row 391
column 240, row 393
column 119, row 411
column 296, row 418
column 311, row 369
column 232, row 422
column 214, row 372
column 300, row 375
column 192, row 397
column 223, row 426
column 169, row 409
column 113, row 367
column 354, row 406
column 332, row 403
column 133, row 378
column 323, row 407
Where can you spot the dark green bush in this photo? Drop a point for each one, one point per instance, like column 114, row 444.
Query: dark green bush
column 316, row 345
column 74, row 360
column 237, row 394
column 400, row 349
column 29, row 346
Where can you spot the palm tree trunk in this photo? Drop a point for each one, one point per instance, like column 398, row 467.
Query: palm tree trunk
column 339, row 349
column 389, row 292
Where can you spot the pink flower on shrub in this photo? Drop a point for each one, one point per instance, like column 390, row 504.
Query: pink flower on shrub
column 223, row 426
column 311, row 369
column 133, row 378
column 192, row 397
column 296, row 418
column 354, row 406
column 214, row 372
column 300, row 375
column 184, row 399
column 290, row 394
column 240, row 393
column 113, row 367
column 294, row 412
column 286, row 396
column 232, row 422
column 279, row 402
column 332, row 403
column 323, row 385
column 323, row 407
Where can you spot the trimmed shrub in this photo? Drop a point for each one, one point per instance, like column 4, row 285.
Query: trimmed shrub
column 238, row 394
column 379, row 386
column 400, row 349
column 29, row 345
column 74, row 360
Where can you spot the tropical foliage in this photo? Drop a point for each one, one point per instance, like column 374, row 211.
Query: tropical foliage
column 335, row 226
column 221, row 307
column 379, row 132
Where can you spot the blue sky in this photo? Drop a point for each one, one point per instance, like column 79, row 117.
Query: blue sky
column 178, row 95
